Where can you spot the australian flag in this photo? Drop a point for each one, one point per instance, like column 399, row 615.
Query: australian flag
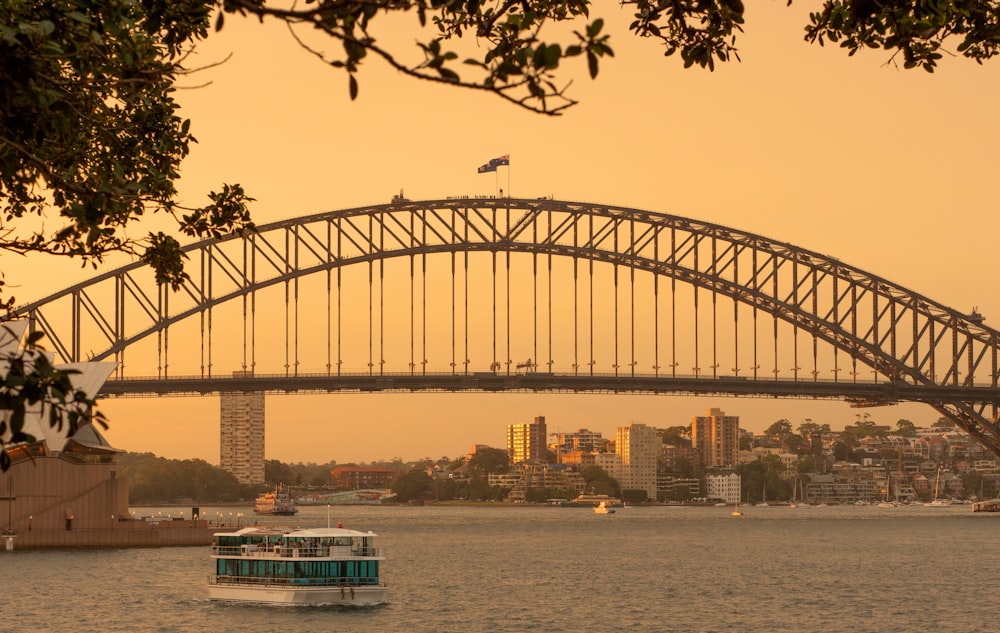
column 494, row 163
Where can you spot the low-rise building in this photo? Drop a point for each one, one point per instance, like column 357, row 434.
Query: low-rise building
column 669, row 456
column 668, row 487
column 724, row 487
column 578, row 459
column 526, row 477
column 828, row 489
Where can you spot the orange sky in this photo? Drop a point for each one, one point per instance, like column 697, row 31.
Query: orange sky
column 892, row 171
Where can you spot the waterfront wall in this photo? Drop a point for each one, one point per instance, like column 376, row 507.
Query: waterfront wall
column 56, row 493
column 125, row 534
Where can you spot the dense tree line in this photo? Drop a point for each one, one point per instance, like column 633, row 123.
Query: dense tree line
column 469, row 484
column 153, row 480
column 300, row 475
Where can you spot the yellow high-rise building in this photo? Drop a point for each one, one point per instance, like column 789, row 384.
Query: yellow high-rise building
column 716, row 436
column 526, row 442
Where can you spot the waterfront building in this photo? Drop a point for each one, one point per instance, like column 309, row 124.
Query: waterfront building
column 609, row 463
column 725, row 487
column 62, row 489
column 578, row 459
column 579, row 440
column 513, row 480
column 637, row 447
column 59, row 481
column 554, row 476
column 358, row 477
column 668, row 487
column 760, row 452
column 827, row 488
column 527, row 476
column 788, row 460
column 716, row 436
column 241, row 441
column 985, row 465
column 526, row 442
column 475, row 449
column 671, row 455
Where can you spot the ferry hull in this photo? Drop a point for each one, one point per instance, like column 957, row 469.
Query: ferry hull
column 347, row 596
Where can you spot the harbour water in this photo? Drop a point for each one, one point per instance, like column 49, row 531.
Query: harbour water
column 529, row 568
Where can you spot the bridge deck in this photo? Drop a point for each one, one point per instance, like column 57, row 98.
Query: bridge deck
column 866, row 393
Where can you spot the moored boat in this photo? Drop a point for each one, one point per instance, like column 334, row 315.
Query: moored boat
column 279, row 503
column 992, row 505
column 937, row 502
column 316, row 566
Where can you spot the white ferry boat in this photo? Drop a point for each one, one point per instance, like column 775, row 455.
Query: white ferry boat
column 316, row 566
column 591, row 500
column 278, row 503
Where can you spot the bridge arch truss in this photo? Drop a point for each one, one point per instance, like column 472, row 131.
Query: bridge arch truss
column 605, row 289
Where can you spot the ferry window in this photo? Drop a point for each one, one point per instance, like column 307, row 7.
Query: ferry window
column 363, row 571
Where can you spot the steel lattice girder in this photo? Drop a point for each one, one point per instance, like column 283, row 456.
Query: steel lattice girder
column 897, row 333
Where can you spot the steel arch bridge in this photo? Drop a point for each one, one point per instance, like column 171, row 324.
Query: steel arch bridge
column 628, row 300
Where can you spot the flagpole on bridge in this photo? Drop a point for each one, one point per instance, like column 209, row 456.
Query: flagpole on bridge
column 492, row 165
column 508, row 175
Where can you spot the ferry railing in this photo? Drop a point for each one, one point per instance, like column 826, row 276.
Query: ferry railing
column 333, row 581
column 287, row 551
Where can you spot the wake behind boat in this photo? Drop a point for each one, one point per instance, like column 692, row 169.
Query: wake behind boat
column 328, row 566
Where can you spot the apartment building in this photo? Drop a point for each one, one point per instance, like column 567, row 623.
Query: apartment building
column 716, row 436
column 637, row 447
column 241, row 441
column 526, row 442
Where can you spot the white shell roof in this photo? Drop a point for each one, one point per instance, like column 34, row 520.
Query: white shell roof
column 90, row 379
column 87, row 377
column 10, row 335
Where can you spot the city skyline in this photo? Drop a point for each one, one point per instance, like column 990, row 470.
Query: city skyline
column 281, row 443
column 881, row 168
